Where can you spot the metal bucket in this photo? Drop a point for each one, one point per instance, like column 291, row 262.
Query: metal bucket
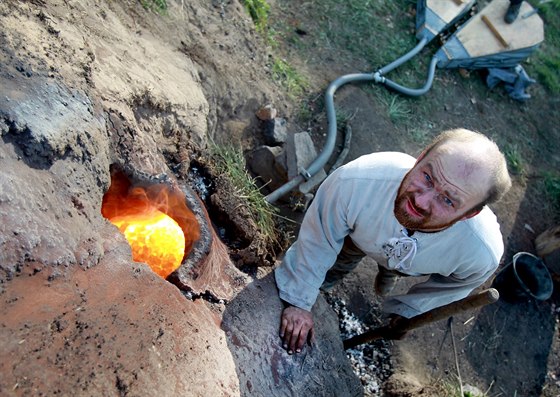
column 525, row 277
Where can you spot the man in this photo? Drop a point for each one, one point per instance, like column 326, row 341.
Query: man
column 512, row 11
column 413, row 217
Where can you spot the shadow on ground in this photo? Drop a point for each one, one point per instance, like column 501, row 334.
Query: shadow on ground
column 509, row 344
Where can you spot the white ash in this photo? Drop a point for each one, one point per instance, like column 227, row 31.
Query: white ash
column 199, row 183
column 371, row 361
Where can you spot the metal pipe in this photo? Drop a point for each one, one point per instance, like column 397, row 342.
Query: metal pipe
column 321, row 160
column 414, row 91
column 398, row 62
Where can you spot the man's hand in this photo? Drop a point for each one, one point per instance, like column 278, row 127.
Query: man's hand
column 296, row 328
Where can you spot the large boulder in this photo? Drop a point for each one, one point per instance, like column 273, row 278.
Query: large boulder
column 264, row 368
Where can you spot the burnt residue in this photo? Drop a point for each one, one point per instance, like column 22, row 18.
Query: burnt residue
column 208, row 187
column 42, row 118
column 36, row 154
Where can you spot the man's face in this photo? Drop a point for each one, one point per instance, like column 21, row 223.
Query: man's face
column 441, row 189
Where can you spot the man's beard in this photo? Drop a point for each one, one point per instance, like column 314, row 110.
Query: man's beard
column 402, row 215
column 412, row 223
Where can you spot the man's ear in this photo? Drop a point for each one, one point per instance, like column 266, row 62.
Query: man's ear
column 471, row 214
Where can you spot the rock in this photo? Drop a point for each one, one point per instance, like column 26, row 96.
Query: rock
column 267, row 112
column 269, row 165
column 275, row 132
column 548, row 241
column 251, row 322
column 300, row 154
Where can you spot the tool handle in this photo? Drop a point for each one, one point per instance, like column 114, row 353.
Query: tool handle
column 494, row 31
column 403, row 325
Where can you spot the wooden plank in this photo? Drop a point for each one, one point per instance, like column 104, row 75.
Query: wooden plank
column 548, row 241
column 478, row 40
column 447, row 10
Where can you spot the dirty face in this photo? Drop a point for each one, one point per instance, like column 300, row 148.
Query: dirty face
column 442, row 188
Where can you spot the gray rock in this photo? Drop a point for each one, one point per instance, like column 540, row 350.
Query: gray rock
column 251, row 322
column 300, row 154
column 269, row 164
column 275, row 132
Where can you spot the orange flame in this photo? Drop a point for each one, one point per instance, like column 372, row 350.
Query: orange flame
column 155, row 239
column 155, row 220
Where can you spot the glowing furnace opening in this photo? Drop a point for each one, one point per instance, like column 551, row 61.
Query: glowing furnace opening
column 155, row 220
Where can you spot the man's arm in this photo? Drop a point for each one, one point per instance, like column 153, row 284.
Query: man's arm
column 307, row 261
column 296, row 328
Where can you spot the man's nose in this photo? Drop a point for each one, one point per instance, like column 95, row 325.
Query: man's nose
column 424, row 199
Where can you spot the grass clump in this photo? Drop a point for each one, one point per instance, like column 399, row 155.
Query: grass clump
column 159, row 6
column 230, row 161
column 258, row 10
column 343, row 117
column 552, row 187
column 514, row 159
column 288, row 77
column 547, row 62
column 398, row 108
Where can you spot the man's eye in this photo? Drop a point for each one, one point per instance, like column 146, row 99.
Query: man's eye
column 428, row 179
column 447, row 201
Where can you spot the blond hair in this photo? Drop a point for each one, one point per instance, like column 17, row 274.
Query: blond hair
column 493, row 159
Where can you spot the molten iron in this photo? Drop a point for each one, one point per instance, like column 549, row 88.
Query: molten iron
column 155, row 239
column 155, row 220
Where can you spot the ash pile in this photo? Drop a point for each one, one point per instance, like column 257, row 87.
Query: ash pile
column 371, row 362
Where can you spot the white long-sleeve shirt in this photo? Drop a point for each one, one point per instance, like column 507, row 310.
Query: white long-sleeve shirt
column 357, row 200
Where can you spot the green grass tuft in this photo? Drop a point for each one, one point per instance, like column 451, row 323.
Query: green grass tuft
column 258, row 10
column 159, row 6
column 289, row 78
column 398, row 108
column 514, row 159
column 230, row 161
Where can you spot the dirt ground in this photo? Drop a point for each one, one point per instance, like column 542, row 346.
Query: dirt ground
column 504, row 349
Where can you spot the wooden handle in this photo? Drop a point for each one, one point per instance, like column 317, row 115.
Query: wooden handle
column 404, row 325
column 494, row 31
